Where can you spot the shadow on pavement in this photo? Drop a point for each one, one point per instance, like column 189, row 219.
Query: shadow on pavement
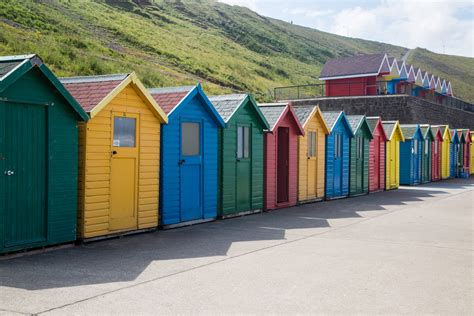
column 120, row 260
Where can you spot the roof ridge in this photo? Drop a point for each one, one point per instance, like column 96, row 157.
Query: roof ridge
column 90, row 79
column 16, row 57
column 177, row 89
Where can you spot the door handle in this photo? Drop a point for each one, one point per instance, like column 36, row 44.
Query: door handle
column 114, row 152
column 181, row 162
column 9, row 173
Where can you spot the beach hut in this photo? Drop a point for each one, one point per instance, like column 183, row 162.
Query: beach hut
column 189, row 156
column 466, row 154
column 454, row 156
column 281, row 155
column 240, row 154
column 377, row 154
column 119, row 151
column 472, row 152
column 392, row 154
column 337, row 155
column 38, row 156
column 426, row 155
column 359, row 155
column 445, row 151
column 311, row 153
column 436, row 153
column 411, row 155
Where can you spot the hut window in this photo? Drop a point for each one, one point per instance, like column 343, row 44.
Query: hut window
column 426, row 146
column 191, row 139
column 359, row 145
column 338, row 146
column 312, row 144
column 124, row 131
column 415, row 146
column 436, row 147
column 243, row 142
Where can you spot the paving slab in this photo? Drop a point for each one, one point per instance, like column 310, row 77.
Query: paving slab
column 402, row 251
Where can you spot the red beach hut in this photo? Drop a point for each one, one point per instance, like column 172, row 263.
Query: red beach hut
column 436, row 152
column 281, row 155
column 377, row 154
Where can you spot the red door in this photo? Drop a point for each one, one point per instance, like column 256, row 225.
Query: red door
column 283, row 164
column 376, row 162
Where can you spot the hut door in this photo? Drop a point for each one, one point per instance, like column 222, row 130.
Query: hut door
column 377, row 165
column 23, row 150
column 190, row 164
column 283, row 164
column 312, row 164
column 124, row 171
column 244, row 168
column 359, row 162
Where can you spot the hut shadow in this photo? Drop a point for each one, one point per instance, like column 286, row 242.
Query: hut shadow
column 124, row 260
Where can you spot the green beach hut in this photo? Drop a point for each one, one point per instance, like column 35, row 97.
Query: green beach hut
column 359, row 155
column 426, row 159
column 38, row 156
column 241, row 155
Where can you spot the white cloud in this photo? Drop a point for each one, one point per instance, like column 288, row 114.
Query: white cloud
column 443, row 26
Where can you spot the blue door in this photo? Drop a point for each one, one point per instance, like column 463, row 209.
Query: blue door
column 190, row 163
column 337, row 164
column 452, row 159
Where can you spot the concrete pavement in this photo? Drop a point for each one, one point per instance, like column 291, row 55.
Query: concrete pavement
column 404, row 251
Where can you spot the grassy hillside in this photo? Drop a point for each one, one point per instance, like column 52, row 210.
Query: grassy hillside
column 228, row 48
column 459, row 70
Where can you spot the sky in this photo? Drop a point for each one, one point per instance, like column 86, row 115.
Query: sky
column 442, row 26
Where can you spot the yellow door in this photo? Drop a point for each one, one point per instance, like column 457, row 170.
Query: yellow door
column 312, row 160
column 124, row 171
column 393, row 163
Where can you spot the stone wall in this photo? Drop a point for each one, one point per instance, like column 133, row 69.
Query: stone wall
column 405, row 108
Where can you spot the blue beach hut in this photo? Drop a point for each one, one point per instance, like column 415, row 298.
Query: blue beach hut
column 189, row 156
column 337, row 155
column 411, row 155
column 454, row 148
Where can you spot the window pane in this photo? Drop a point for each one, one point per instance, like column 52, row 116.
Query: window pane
column 124, row 132
column 190, row 141
column 415, row 146
column 426, row 147
column 314, row 144
column 246, row 142
column 240, row 142
column 309, row 145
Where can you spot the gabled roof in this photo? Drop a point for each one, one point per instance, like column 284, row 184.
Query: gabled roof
column 454, row 136
column 228, row 105
column 355, row 66
column 438, row 131
column 432, row 82
column 449, row 89
column 391, row 128
column 275, row 112
column 332, row 118
column 472, row 136
column 173, row 97
column 13, row 68
column 445, row 131
column 358, row 122
column 402, row 70
column 460, row 134
column 373, row 122
column 304, row 113
column 426, row 131
column 411, row 75
column 94, row 93
column 409, row 130
column 426, row 79
column 467, row 137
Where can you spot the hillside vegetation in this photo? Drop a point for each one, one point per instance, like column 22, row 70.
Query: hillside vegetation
column 228, row 48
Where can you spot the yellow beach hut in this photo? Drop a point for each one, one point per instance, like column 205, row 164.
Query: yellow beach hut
column 445, row 148
column 311, row 153
column 119, row 151
column 392, row 155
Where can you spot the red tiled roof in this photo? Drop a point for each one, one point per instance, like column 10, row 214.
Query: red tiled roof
column 168, row 101
column 89, row 94
column 353, row 66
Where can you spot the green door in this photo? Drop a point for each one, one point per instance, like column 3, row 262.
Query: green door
column 244, row 169
column 23, row 155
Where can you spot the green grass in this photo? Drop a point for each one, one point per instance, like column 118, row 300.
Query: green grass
column 175, row 42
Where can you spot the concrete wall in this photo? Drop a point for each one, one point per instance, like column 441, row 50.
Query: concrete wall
column 407, row 109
